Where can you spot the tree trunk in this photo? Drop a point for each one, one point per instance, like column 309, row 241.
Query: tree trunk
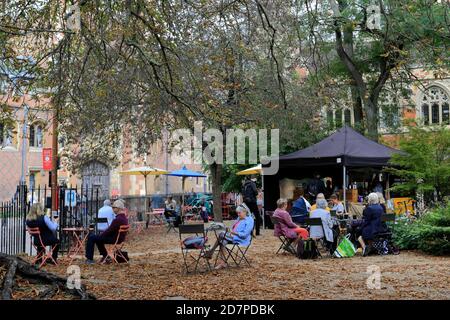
column 371, row 109
column 357, row 109
column 17, row 267
column 216, row 175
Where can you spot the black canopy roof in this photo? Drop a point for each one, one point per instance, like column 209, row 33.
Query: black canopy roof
column 344, row 147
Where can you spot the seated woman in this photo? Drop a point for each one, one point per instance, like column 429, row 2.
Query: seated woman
column 371, row 224
column 36, row 218
column 300, row 208
column 286, row 226
column 317, row 232
column 240, row 233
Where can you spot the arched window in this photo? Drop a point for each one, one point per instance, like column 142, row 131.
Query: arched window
column 330, row 118
column 445, row 114
column 348, row 117
column 426, row 114
column 6, row 136
column 338, row 118
column 36, row 135
column 435, row 106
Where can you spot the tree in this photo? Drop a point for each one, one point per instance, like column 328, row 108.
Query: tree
column 425, row 164
column 371, row 55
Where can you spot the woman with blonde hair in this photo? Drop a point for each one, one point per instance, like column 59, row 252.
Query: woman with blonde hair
column 36, row 218
column 382, row 201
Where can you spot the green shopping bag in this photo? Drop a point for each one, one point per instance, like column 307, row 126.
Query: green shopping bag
column 345, row 249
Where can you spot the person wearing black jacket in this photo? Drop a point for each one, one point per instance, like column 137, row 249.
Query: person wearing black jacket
column 249, row 194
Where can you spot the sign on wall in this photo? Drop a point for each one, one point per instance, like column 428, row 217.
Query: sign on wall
column 47, row 159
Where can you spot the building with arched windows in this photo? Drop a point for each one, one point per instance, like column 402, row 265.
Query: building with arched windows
column 427, row 104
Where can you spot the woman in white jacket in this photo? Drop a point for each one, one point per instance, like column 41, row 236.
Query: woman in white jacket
column 316, row 232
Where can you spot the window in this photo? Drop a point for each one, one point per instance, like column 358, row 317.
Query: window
column 330, row 118
column 445, row 113
column 435, row 106
column 32, row 180
column 6, row 136
column 338, row 118
column 36, row 134
column 426, row 114
column 347, row 117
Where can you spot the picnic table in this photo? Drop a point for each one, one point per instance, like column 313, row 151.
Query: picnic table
column 78, row 237
column 155, row 217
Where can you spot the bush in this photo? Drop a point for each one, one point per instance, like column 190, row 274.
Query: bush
column 430, row 233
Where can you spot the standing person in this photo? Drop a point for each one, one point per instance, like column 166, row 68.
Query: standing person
column 315, row 186
column 36, row 218
column 328, row 189
column 249, row 192
column 109, row 236
column 105, row 212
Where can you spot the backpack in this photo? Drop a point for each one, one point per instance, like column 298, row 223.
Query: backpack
column 121, row 259
column 195, row 242
column 381, row 246
column 307, row 249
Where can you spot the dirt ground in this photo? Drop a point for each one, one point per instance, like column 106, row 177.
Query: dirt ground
column 154, row 272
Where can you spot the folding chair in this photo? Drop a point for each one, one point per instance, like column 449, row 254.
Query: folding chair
column 317, row 222
column 134, row 222
column 390, row 217
column 155, row 217
column 170, row 220
column 43, row 255
column 286, row 243
column 99, row 220
column 115, row 249
column 190, row 229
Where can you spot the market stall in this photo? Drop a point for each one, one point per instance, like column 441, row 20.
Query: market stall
column 351, row 161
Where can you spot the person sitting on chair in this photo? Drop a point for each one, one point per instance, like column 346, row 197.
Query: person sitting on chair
column 286, row 227
column 371, row 224
column 337, row 205
column 240, row 233
column 36, row 218
column 300, row 208
column 319, row 196
column 316, row 232
column 105, row 212
column 109, row 236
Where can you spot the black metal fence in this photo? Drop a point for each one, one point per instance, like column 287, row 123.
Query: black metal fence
column 12, row 223
column 77, row 207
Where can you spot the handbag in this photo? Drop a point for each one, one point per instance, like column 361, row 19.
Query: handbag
column 195, row 242
column 345, row 249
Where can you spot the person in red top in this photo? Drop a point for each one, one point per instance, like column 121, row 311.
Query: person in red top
column 108, row 236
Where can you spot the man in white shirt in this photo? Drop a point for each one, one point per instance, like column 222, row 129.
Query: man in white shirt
column 105, row 212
